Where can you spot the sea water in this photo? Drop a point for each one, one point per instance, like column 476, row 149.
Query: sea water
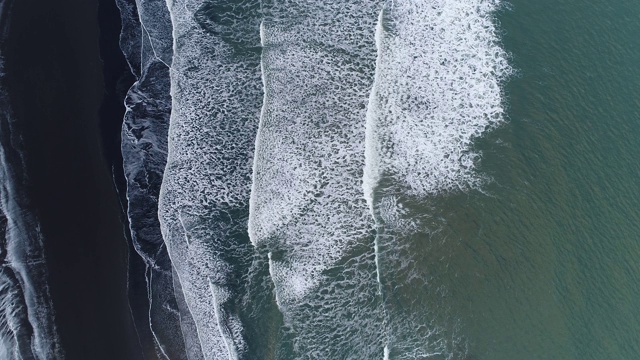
column 449, row 179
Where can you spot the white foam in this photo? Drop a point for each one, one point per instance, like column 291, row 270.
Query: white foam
column 436, row 89
column 220, row 296
column 370, row 177
column 440, row 67
column 272, row 273
column 216, row 98
column 317, row 69
column 251, row 226
column 307, row 207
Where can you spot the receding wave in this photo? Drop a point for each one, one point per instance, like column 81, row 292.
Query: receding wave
column 27, row 328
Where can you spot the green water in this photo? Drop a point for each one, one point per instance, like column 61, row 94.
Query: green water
column 544, row 263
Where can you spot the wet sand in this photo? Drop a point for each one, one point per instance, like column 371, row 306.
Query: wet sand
column 55, row 79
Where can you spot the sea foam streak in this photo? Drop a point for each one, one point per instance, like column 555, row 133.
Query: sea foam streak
column 147, row 44
column 437, row 88
column 216, row 96
column 307, row 207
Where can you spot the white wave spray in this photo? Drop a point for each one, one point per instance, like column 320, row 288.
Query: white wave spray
column 437, row 88
column 307, row 207
column 146, row 43
column 438, row 80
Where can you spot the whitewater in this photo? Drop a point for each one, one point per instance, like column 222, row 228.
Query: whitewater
column 203, row 205
column 298, row 138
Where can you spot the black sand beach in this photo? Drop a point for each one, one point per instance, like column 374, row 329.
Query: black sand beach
column 55, row 79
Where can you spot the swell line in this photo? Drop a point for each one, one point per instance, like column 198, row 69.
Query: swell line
column 371, row 177
column 251, row 226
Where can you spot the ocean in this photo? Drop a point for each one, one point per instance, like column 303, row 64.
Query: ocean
column 380, row 179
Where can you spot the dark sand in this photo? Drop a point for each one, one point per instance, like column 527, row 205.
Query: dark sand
column 56, row 84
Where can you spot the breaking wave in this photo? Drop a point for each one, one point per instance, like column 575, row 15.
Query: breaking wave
column 301, row 134
column 307, row 207
column 437, row 88
column 216, row 95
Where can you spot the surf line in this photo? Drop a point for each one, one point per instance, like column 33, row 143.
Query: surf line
column 371, row 173
column 251, row 226
column 253, row 236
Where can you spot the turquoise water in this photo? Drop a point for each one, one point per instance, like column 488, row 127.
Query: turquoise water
column 543, row 262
